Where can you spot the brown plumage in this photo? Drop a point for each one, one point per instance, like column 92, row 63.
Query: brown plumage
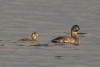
column 74, row 39
column 34, row 37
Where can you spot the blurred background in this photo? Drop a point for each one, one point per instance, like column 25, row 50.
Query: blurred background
column 50, row 18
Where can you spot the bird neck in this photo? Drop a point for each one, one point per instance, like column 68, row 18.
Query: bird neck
column 34, row 37
column 74, row 34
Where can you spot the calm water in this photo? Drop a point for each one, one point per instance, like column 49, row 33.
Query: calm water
column 50, row 18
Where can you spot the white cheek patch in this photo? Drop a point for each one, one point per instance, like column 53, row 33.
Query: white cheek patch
column 34, row 37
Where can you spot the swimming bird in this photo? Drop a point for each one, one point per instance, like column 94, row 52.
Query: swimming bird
column 74, row 39
column 34, row 37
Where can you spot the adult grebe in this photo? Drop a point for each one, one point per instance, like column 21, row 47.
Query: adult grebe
column 74, row 39
column 34, row 36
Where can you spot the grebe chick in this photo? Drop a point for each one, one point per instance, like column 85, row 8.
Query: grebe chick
column 74, row 39
column 34, row 37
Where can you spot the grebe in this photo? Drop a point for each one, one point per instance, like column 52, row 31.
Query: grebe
column 74, row 39
column 34, row 36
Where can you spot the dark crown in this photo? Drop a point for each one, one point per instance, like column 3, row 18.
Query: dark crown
column 75, row 28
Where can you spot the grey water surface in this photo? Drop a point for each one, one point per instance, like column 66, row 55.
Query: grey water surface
column 50, row 18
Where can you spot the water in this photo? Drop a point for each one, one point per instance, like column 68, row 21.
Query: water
column 50, row 18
